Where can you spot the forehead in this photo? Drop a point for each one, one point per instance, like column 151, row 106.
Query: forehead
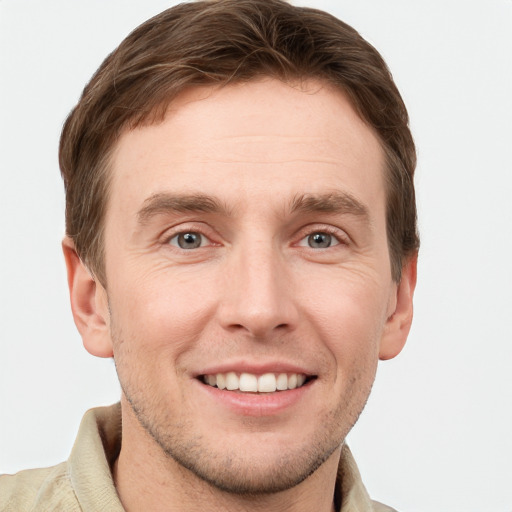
column 243, row 138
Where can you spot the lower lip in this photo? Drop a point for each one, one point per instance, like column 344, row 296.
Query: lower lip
column 257, row 404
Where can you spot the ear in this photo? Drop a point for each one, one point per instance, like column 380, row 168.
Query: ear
column 89, row 304
column 399, row 322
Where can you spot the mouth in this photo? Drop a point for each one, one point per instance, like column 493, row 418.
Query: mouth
column 252, row 383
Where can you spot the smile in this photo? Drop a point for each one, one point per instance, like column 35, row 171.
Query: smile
column 251, row 383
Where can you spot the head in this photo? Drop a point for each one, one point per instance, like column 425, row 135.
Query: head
column 220, row 43
column 240, row 214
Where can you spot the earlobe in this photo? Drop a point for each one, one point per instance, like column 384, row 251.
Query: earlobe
column 88, row 304
column 399, row 322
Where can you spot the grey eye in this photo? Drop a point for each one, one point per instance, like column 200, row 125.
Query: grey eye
column 189, row 240
column 320, row 240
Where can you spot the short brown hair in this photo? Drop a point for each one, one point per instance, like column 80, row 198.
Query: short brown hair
column 220, row 42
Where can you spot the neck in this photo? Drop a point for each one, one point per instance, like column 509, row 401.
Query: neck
column 148, row 479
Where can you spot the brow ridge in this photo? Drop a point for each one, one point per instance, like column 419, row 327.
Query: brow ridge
column 332, row 202
column 165, row 202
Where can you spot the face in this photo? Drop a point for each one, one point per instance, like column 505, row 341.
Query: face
column 249, row 286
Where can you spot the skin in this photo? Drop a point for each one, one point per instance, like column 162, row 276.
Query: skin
column 255, row 295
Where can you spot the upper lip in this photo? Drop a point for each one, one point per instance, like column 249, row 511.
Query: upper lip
column 255, row 368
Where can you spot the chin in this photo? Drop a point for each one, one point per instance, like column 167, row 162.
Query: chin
column 254, row 463
column 247, row 473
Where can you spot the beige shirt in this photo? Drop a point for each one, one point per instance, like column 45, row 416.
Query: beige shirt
column 84, row 482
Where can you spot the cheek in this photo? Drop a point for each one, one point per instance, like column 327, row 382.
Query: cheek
column 349, row 318
column 155, row 316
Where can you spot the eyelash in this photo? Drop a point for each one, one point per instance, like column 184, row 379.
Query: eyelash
column 339, row 236
column 183, row 231
column 190, row 232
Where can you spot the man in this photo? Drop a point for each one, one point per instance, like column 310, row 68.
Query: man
column 241, row 239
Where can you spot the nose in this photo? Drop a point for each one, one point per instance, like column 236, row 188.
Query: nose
column 257, row 296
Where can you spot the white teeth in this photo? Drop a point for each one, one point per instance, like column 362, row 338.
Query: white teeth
column 221, row 381
column 267, row 383
column 250, row 383
column 232, row 381
column 282, row 382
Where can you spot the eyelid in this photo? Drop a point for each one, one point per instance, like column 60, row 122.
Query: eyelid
column 188, row 227
column 204, row 240
column 341, row 236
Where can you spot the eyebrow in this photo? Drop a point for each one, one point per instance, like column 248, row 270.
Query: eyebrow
column 163, row 203
column 168, row 203
column 334, row 202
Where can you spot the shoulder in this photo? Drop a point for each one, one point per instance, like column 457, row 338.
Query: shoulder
column 380, row 507
column 42, row 489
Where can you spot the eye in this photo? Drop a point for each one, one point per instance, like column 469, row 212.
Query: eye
column 188, row 240
column 319, row 240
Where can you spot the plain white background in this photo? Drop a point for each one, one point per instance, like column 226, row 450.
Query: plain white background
column 437, row 432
